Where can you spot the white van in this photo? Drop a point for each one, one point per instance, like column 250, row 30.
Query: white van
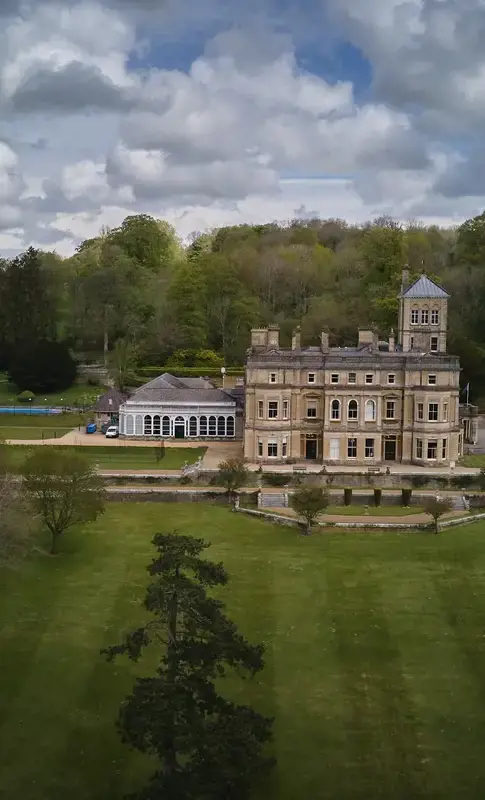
column 113, row 432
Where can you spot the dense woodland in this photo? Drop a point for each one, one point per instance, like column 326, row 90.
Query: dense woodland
column 137, row 285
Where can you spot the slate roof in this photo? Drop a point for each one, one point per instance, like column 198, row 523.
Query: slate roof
column 103, row 405
column 169, row 389
column 423, row 288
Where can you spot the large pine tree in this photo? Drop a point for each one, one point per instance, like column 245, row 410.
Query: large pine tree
column 208, row 747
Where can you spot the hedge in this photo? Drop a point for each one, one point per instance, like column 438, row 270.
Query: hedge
column 187, row 372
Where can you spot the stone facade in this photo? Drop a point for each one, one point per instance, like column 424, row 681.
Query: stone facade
column 373, row 404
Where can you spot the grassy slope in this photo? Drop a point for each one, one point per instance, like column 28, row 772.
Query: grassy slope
column 26, row 426
column 68, row 397
column 122, row 458
column 375, row 654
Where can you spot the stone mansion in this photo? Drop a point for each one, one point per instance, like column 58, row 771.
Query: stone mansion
column 372, row 404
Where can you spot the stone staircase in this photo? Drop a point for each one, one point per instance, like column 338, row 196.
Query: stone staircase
column 273, row 500
column 460, row 503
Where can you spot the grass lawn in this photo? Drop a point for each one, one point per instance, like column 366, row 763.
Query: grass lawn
column 473, row 460
column 26, row 426
column 68, row 397
column 375, row 657
column 121, row 457
column 373, row 511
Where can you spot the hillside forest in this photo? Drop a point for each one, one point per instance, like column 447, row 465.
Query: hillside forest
column 137, row 286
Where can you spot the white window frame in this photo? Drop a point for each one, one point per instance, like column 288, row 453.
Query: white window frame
column 435, row 316
column 445, row 411
column 355, row 415
column 434, row 340
column 272, row 377
column 419, row 448
column 424, row 316
column 432, row 380
column 260, row 409
column 436, row 411
column 273, row 444
column 312, row 377
column 352, row 439
column 444, row 449
column 272, row 415
column 260, row 448
column 286, row 406
column 352, row 377
column 414, row 316
column 332, row 417
column 369, row 378
column 420, row 412
column 388, row 403
column 311, row 405
column 431, row 442
column 370, row 404
column 369, row 450
column 391, row 378
column 284, row 447
column 334, row 449
column 334, row 377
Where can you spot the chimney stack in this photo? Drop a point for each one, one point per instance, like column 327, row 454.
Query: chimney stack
column 324, row 342
column 259, row 338
column 274, row 337
column 296, row 339
column 392, row 342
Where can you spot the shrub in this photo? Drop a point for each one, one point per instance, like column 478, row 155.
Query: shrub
column 92, row 379
column 377, row 497
column 25, row 396
column 406, row 495
column 347, row 497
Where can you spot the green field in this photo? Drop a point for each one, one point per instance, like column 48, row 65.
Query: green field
column 68, row 397
column 375, row 657
column 474, row 460
column 119, row 457
column 372, row 511
column 26, row 426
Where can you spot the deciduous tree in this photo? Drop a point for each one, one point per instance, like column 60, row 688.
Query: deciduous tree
column 233, row 474
column 436, row 507
column 64, row 489
column 309, row 502
column 206, row 746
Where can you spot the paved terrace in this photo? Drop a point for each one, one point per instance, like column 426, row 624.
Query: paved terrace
column 219, row 451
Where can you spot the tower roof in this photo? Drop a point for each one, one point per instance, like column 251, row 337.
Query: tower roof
column 424, row 287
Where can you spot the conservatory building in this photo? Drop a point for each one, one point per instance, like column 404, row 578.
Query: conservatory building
column 180, row 408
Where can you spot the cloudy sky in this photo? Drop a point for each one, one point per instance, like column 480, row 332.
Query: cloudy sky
column 212, row 112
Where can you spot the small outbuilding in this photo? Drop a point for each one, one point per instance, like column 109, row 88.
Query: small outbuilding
column 107, row 407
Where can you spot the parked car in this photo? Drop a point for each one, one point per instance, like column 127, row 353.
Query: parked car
column 113, row 432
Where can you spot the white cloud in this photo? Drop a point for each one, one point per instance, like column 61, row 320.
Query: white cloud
column 85, row 139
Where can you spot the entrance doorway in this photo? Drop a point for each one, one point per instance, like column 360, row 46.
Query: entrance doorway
column 311, row 449
column 179, row 428
column 389, row 449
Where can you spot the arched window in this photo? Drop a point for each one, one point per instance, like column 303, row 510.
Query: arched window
column 212, row 426
column 147, row 425
column 221, row 426
column 129, row 425
column 230, row 426
column 138, row 425
column 203, row 426
column 335, row 409
column 353, row 410
column 166, row 426
column 156, row 425
column 370, row 411
column 193, row 426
